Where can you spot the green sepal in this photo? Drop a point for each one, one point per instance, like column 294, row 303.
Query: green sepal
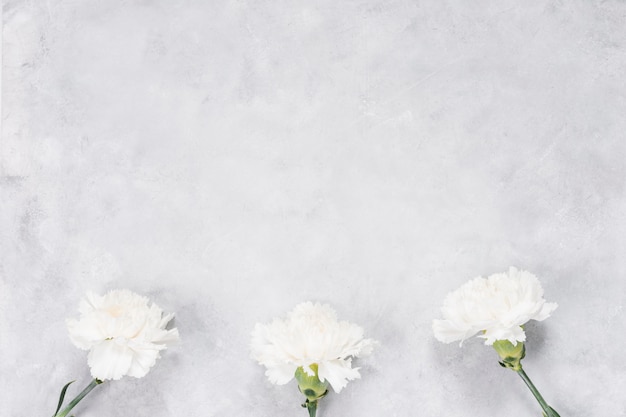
column 510, row 354
column 62, row 397
column 310, row 385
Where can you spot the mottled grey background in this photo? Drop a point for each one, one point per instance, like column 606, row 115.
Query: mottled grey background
column 231, row 159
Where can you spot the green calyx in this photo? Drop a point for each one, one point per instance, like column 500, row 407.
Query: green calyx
column 510, row 354
column 310, row 385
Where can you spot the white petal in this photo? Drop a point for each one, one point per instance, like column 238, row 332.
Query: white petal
column 545, row 311
column 109, row 360
column 142, row 361
column 337, row 373
column 310, row 334
column 83, row 335
column 497, row 305
column 512, row 334
column 281, row 374
column 124, row 333
column 447, row 331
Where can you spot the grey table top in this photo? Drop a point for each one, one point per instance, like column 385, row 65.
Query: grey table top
column 232, row 159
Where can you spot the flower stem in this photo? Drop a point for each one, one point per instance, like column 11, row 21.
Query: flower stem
column 547, row 410
column 79, row 397
column 312, row 407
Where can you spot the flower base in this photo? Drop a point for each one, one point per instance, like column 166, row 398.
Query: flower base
column 510, row 354
column 311, row 387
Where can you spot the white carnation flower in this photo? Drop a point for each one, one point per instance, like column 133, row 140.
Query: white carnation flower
column 312, row 338
column 497, row 306
column 123, row 334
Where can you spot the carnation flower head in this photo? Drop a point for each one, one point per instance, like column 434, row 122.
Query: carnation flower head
column 312, row 338
column 123, row 333
column 497, row 306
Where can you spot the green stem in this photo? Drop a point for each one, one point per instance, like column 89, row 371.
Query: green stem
column 312, row 407
column 79, row 397
column 548, row 411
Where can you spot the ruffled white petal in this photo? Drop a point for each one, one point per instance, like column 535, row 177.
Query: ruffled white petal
column 337, row 372
column 310, row 335
column 280, row 374
column 513, row 334
column 448, row 331
column 144, row 357
column 545, row 311
column 496, row 307
column 84, row 333
column 122, row 332
column 109, row 360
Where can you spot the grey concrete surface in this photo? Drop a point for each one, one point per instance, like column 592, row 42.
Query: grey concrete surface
column 231, row 159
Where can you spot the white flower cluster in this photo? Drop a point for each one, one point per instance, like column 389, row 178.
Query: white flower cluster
column 497, row 306
column 123, row 334
column 310, row 335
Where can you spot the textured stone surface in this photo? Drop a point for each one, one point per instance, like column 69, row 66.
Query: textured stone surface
column 231, row 159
